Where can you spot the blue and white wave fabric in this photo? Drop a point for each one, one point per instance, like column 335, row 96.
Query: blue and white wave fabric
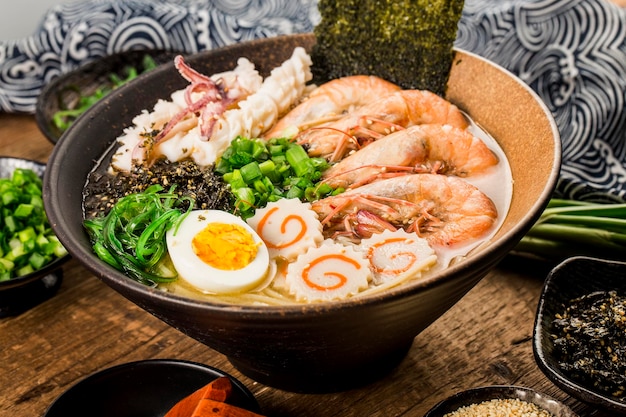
column 75, row 33
column 571, row 52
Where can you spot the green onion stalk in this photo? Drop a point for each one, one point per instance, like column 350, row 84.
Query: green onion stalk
column 571, row 228
column 131, row 237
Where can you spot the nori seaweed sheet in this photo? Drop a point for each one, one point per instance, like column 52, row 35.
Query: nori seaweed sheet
column 408, row 42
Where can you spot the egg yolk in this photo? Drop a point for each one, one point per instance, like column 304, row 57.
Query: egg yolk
column 225, row 246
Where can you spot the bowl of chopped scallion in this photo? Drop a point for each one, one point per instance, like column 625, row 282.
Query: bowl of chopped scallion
column 68, row 96
column 30, row 253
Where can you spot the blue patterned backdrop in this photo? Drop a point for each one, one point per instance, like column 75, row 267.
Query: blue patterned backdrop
column 571, row 52
column 75, row 33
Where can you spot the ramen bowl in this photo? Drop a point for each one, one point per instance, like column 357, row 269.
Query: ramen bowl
column 328, row 346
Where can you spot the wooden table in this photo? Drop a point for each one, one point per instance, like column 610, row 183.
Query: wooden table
column 484, row 339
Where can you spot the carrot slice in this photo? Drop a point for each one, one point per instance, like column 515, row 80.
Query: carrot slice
column 212, row 408
column 217, row 390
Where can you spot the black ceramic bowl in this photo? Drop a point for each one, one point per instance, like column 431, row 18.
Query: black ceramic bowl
column 21, row 293
column 500, row 392
column 64, row 91
column 329, row 346
column 147, row 388
column 573, row 278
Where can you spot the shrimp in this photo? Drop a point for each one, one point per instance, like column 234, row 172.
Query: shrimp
column 392, row 112
column 441, row 149
column 331, row 101
column 445, row 210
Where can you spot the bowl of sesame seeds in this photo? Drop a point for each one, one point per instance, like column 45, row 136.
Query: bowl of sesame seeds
column 506, row 400
column 579, row 339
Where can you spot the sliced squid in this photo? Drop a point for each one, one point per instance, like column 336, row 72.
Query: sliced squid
column 288, row 227
column 329, row 272
column 397, row 256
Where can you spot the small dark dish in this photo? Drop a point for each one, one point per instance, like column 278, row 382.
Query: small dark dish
column 500, row 392
column 22, row 293
column 147, row 388
column 573, row 278
column 63, row 91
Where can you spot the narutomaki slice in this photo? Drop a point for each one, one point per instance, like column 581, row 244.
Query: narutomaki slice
column 331, row 271
column 288, row 227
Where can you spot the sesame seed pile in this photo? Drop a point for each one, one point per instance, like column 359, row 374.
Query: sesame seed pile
column 507, row 407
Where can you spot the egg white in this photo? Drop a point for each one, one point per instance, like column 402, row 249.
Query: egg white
column 198, row 273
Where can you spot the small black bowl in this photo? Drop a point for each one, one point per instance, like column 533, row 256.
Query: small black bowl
column 570, row 279
column 500, row 392
column 147, row 388
column 64, row 91
column 22, row 293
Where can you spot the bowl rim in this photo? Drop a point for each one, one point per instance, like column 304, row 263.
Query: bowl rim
column 96, row 265
column 49, row 268
column 555, row 375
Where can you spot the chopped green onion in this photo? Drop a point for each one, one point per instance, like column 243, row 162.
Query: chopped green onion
column 299, row 160
column 259, row 172
column 23, row 210
column 25, row 233
column 569, row 228
column 245, row 198
column 295, row 192
column 250, row 172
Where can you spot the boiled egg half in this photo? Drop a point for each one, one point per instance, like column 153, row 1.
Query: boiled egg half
column 217, row 252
